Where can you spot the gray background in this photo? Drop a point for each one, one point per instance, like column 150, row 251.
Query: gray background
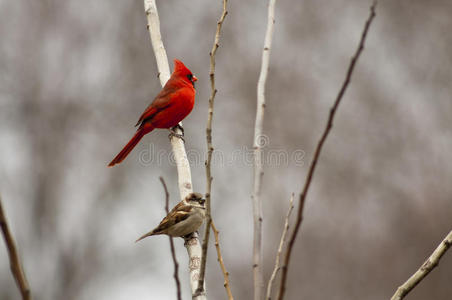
column 76, row 75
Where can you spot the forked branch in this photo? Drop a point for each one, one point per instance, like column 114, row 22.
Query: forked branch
column 318, row 149
column 210, row 149
column 280, row 248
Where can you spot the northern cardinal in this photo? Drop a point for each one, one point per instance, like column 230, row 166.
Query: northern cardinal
column 183, row 219
column 174, row 102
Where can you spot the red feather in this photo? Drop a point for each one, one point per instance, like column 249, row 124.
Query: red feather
column 174, row 102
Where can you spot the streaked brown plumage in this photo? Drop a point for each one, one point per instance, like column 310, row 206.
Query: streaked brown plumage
column 185, row 218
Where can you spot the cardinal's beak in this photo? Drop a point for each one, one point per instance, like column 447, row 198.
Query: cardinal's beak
column 194, row 78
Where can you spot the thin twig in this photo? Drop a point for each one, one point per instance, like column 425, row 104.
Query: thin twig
column 281, row 244
column 258, row 143
column 329, row 125
column 227, row 286
column 425, row 269
column 173, row 251
column 166, row 194
column 14, row 260
column 210, row 149
column 180, row 155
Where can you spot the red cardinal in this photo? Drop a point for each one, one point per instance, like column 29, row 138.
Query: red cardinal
column 174, row 102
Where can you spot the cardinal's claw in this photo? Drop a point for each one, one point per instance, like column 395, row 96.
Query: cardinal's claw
column 181, row 136
column 175, row 134
column 179, row 127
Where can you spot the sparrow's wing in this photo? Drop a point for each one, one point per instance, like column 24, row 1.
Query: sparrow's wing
column 179, row 213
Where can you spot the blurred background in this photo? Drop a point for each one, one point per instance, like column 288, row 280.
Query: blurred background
column 76, row 75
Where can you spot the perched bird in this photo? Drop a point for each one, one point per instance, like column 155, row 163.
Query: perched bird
column 185, row 218
column 174, row 102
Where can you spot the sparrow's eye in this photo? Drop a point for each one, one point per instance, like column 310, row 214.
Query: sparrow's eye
column 190, row 77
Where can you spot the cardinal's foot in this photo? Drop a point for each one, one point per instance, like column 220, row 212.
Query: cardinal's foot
column 179, row 127
column 175, row 134
column 181, row 136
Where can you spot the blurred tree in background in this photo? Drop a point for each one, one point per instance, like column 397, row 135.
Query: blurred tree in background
column 75, row 76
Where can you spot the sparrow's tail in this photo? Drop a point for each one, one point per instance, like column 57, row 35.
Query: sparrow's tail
column 129, row 147
column 146, row 235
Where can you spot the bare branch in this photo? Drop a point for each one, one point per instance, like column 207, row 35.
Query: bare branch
column 156, row 40
column 14, row 260
column 319, row 149
column 258, row 274
column 180, row 155
column 425, row 269
column 205, row 242
column 173, row 251
column 166, row 194
column 281, row 244
column 194, row 253
column 227, row 286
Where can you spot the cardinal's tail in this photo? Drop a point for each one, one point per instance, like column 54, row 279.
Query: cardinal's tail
column 129, row 147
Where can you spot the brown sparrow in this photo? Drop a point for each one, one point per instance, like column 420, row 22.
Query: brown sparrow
column 185, row 218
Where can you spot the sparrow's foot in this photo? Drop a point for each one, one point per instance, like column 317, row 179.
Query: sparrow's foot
column 187, row 238
column 199, row 292
column 175, row 134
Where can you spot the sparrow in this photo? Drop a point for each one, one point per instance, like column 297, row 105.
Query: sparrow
column 185, row 218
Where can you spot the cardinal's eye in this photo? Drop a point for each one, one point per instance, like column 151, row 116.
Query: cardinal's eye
column 190, row 77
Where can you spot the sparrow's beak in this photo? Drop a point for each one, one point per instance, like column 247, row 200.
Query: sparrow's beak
column 202, row 201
